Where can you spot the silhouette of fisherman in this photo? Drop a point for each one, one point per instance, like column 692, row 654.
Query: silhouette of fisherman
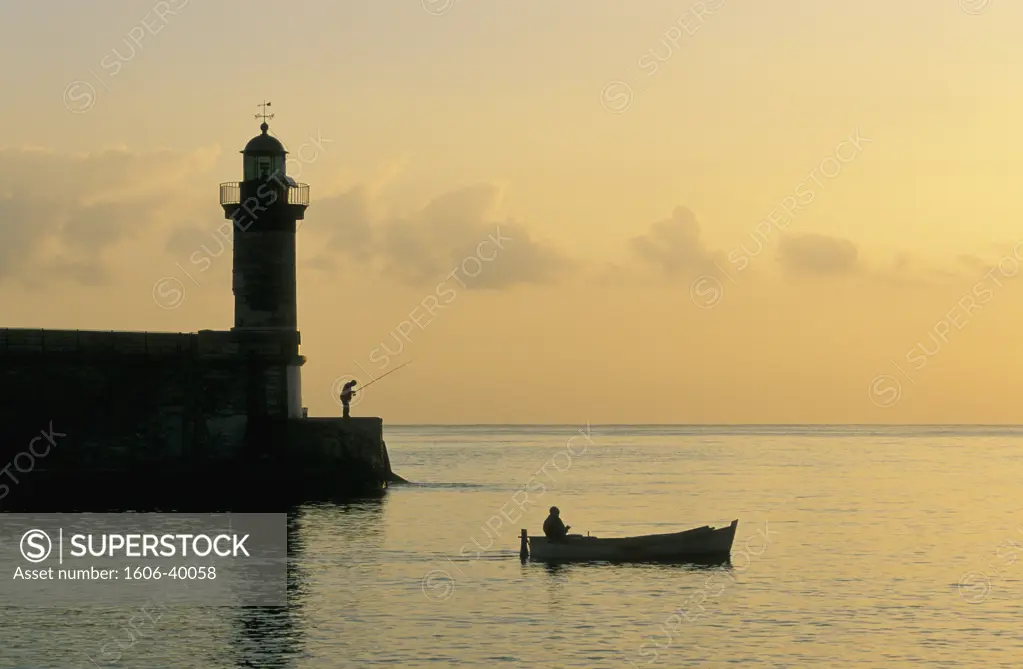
column 553, row 527
column 347, row 393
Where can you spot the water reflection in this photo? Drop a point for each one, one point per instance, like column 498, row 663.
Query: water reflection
column 557, row 578
column 272, row 636
column 343, row 555
column 275, row 636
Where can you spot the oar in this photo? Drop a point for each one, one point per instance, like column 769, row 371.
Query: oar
column 383, row 375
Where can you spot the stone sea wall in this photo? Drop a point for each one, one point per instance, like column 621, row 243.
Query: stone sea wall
column 170, row 411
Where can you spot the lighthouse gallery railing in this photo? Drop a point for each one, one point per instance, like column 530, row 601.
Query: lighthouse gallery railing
column 231, row 193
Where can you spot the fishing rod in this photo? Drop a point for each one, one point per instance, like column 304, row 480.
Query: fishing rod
column 383, row 375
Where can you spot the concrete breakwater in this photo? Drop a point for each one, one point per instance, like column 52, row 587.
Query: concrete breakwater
column 177, row 420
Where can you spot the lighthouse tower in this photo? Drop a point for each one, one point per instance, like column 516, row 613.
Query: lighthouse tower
column 265, row 207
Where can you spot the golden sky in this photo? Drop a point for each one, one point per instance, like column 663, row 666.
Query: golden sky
column 710, row 212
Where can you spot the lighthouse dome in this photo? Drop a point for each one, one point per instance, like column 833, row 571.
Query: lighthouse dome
column 264, row 144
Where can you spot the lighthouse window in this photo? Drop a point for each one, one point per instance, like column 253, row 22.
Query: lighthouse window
column 264, row 167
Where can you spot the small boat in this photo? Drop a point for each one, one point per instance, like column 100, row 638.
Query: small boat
column 698, row 544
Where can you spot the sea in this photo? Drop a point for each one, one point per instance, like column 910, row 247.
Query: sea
column 857, row 546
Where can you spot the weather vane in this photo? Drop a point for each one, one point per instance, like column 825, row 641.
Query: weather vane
column 264, row 115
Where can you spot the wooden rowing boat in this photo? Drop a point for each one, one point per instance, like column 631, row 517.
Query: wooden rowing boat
column 697, row 544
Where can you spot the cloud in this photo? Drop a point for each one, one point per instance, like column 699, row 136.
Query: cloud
column 675, row 248
column 673, row 245
column 349, row 217
column 819, row 255
column 60, row 213
column 973, row 263
column 424, row 246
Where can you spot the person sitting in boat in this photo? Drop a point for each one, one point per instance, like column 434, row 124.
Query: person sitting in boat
column 553, row 527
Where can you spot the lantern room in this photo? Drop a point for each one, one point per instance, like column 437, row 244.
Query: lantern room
column 264, row 157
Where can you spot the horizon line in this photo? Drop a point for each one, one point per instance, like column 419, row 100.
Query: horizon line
column 707, row 424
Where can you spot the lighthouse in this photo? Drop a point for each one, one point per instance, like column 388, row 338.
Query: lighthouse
column 265, row 207
column 132, row 414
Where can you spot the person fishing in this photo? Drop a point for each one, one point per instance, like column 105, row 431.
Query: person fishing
column 347, row 393
column 554, row 527
column 348, row 390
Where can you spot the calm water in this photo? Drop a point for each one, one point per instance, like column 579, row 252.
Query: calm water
column 857, row 547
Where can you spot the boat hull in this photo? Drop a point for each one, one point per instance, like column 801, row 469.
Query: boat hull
column 698, row 544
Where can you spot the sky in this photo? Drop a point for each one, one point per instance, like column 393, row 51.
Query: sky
column 719, row 211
